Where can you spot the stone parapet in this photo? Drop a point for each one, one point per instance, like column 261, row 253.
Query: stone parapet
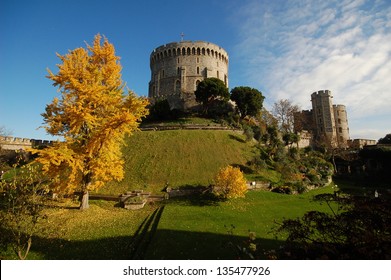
column 18, row 143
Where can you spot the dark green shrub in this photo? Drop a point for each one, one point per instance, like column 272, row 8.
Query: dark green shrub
column 282, row 189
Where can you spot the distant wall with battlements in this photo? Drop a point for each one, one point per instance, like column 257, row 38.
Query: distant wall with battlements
column 17, row 143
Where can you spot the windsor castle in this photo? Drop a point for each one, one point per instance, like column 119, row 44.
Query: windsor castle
column 177, row 68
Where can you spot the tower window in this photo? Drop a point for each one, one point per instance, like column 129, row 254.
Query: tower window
column 198, row 70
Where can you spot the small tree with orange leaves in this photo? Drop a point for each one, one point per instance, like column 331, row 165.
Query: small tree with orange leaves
column 93, row 114
column 230, row 183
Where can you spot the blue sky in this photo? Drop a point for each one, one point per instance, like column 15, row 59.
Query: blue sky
column 286, row 49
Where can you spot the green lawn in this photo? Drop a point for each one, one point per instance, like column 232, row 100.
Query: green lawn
column 104, row 231
column 186, row 228
column 191, row 229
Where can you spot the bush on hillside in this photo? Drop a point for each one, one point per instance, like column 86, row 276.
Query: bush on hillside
column 282, row 189
column 230, row 183
column 161, row 111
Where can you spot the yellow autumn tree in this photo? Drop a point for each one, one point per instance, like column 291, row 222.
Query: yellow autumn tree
column 230, row 183
column 93, row 114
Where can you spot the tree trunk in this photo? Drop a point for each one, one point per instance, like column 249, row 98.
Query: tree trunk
column 84, row 201
column 86, row 185
column 23, row 255
column 334, row 163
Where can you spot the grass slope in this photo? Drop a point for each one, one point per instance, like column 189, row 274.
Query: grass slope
column 179, row 157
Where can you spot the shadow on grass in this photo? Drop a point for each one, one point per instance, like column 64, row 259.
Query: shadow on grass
column 161, row 245
column 361, row 186
column 237, row 138
column 245, row 169
column 144, row 234
column 199, row 199
column 110, row 248
column 149, row 242
column 176, row 244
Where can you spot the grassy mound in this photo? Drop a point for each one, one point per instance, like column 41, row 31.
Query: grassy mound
column 179, row 157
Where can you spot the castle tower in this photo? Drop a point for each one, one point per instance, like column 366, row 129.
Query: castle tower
column 177, row 68
column 323, row 115
column 327, row 123
column 342, row 127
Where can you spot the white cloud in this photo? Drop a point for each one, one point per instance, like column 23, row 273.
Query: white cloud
column 294, row 48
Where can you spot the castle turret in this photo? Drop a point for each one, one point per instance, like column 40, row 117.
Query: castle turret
column 342, row 127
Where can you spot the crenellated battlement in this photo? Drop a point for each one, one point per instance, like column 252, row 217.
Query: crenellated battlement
column 18, row 143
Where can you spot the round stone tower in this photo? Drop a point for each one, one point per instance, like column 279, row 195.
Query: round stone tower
column 177, row 68
column 342, row 127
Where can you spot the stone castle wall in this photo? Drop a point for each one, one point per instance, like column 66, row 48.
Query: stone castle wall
column 17, row 143
column 177, row 68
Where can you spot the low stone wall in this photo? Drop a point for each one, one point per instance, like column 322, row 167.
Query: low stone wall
column 157, row 127
column 254, row 185
column 186, row 191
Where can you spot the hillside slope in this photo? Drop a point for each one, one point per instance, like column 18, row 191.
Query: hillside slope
column 179, row 157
